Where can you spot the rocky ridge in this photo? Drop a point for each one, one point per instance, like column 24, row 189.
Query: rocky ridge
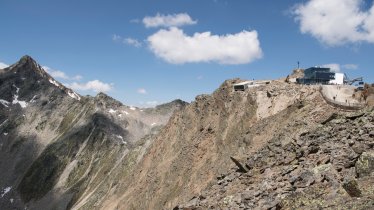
column 196, row 144
column 57, row 147
column 331, row 166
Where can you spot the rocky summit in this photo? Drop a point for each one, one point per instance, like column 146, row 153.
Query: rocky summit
column 276, row 145
column 58, row 148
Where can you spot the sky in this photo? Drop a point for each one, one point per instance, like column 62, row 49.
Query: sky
column 145, row 53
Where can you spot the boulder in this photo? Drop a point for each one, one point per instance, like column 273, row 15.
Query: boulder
column 352, row 188
column 239, row 165
column 365, row 164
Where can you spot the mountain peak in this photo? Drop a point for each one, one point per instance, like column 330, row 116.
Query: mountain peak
column 27, row 63
column 104, row 98
column 27, row 72
column 176, row 102
column 27, row 58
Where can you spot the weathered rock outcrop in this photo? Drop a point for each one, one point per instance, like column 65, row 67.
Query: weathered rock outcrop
column 196, row 145
column 327, row 167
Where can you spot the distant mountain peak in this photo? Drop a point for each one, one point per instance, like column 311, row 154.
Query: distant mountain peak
column 27, row 63
column 176, row 102
column 27, row 69
column 105, row 99
column 27, row 58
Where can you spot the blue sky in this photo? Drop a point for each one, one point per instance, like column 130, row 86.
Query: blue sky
column 148, row 52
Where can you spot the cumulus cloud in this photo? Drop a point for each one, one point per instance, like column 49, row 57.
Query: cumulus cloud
column 116, row 37
column 335, row 67
column 336, row 22
column 174, row 46
column 76, row 77
column 135, row 20
column 94, row 85
column 161, row 20
column 128, row 41
column 132, row 42
column 142, row 91
column 57, row 74
column 350, row 66
column 3, row 65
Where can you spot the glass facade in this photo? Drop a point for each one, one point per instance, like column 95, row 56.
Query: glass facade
column 316, row 75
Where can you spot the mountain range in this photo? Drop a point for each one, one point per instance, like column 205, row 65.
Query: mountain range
column 274, row 146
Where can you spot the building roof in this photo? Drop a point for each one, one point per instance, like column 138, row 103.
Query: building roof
column 243, row 83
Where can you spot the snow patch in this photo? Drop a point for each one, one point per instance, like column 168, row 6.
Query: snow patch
column 3, row 122
column 121, row 138
column 112, row 111
column 141, row 110
column 126, row 112
column 23, row 104
column 120, row 115
column 11, row 200
column 4, row 102
column 74, row 95
column 54, row 82
column 153, row 124
column 5, row 134
column 5, row 191
column 33, row 99
column 133, row 108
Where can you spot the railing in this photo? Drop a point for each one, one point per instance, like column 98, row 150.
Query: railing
column 341, row 105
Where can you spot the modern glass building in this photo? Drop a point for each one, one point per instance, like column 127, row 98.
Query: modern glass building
column 316, row 75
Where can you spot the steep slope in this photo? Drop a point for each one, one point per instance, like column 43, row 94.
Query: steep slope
column 330, row 166
column 58, row 147
column 196, row 144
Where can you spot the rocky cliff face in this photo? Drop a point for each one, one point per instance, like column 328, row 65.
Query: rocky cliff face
column 57, row 147
column 327, row 167
column 196, row 145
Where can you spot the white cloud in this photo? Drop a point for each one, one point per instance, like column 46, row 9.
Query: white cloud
column 142, row 91
column 350, row 66
column 127, row 41
column 116, row 37
column 200, row 77
column 174, row 46
column 57, row 74
column 161, row 20
column 336, row 22
column 135, row 20
column 132, row 42
column 3, row 65
column 77, row 77
column 333, row 67
column 94, row 85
